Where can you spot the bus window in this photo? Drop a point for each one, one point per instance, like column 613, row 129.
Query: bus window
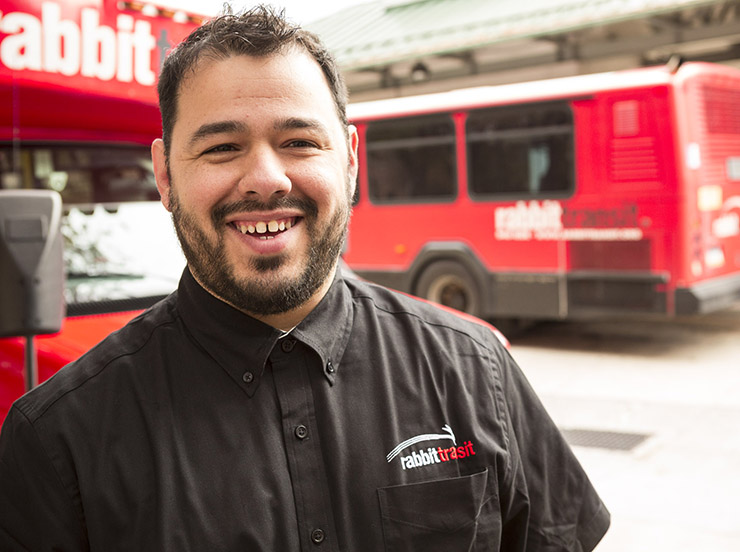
column 522, row 151
column 82, row 174
column 411, row 159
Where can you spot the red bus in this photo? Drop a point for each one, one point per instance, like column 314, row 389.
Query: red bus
column 78, row 113
column 582, row 196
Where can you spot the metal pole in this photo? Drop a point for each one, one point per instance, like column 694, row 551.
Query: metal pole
column 31, row 368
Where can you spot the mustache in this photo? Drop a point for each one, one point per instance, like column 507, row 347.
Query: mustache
column 308, row 206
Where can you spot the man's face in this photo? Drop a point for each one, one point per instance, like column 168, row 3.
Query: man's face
column 260, row 180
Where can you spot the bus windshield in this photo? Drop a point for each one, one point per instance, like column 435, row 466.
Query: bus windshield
column 119, row 242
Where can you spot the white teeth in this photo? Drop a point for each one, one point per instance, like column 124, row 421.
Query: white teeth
column 263, row 227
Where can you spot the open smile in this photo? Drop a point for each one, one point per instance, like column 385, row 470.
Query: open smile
column 265, row 229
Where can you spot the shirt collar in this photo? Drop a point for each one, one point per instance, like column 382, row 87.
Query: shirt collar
column 327, row 328
column 241, row 344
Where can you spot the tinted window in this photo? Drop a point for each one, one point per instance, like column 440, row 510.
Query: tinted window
column 411, row 159
column 81, row 174
column 520, row 150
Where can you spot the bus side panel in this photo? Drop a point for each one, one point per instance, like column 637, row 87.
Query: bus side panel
column 387, row 238
column 620, row 225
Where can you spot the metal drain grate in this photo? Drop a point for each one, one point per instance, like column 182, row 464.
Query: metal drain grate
column 612, row 440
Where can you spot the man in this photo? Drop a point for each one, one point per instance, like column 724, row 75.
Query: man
column 270, row 404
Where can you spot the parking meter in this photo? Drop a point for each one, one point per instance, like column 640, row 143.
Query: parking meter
column 31, row 268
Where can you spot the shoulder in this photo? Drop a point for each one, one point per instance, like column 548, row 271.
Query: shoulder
column 412, row 312
column 98, row 363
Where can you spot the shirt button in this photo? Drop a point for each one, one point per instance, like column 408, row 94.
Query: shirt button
column 318, row 536
column 301, row 432
column 248, row 377
column 287, row 345
column 330, row 368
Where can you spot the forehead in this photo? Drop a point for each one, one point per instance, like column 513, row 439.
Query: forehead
column 241, row 86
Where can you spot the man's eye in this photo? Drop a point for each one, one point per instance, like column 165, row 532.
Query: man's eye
column 301, row 144
column 220, row 148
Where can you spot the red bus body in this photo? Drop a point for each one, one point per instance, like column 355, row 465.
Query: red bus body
column 645, row 218
column 80, row 75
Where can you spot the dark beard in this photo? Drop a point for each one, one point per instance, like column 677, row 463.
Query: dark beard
column 261, row 295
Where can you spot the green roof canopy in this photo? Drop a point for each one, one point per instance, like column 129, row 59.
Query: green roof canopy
column 390, row 31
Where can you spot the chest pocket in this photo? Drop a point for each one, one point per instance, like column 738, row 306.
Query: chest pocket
column 440, row 515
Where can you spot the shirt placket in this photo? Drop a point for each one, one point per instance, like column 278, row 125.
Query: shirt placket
column 290, row 361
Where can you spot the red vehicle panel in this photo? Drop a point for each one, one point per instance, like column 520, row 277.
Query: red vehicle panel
column 77, row 335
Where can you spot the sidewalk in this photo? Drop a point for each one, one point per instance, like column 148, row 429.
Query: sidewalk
column 676, row 384
column 678, row 490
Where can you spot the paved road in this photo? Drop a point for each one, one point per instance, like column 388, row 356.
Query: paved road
column 668, row 392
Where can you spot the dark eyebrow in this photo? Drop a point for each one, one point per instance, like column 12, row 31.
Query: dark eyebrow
column 292, row 123
column 220, row 127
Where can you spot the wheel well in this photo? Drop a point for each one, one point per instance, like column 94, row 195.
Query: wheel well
column 451, row 251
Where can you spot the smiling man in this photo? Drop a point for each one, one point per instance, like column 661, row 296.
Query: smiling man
column 259, row 171
column 271, row 404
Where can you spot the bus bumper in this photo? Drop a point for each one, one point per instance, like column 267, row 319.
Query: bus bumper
column 711, row 295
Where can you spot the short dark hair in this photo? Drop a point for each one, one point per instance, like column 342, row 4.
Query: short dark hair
column 260, row 31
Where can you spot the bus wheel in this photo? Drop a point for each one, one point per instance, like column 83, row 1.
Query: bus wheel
column 449, row 284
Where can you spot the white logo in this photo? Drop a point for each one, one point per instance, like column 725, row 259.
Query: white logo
column 57, row 45
column 432, row 455
column 420, row 438
column 535, row 220
column 524, row 221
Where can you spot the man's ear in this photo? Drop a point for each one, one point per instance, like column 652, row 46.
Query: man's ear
column 353, row 144
column 161, row 174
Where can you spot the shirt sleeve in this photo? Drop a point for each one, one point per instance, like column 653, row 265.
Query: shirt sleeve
column 37, row 513
column 564, row 511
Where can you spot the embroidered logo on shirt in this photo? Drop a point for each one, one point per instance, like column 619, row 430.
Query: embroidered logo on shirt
column 432, row 455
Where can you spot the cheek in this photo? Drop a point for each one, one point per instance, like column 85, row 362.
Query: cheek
column 200, row 190
column 325, row 184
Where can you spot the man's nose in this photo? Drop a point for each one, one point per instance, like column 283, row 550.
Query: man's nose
column 264, row 175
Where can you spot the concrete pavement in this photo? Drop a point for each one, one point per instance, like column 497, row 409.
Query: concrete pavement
column 675, row 383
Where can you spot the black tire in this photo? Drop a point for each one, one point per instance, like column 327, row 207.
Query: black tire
column 450, row 284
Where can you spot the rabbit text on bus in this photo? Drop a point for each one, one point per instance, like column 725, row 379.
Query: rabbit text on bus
column 53, row 44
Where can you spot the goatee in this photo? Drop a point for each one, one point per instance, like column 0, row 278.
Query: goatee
column 261, row 292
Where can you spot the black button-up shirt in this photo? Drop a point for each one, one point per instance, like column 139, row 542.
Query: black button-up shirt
column 378, row 423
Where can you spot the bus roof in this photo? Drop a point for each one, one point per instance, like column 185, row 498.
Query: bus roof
column 543, row 90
